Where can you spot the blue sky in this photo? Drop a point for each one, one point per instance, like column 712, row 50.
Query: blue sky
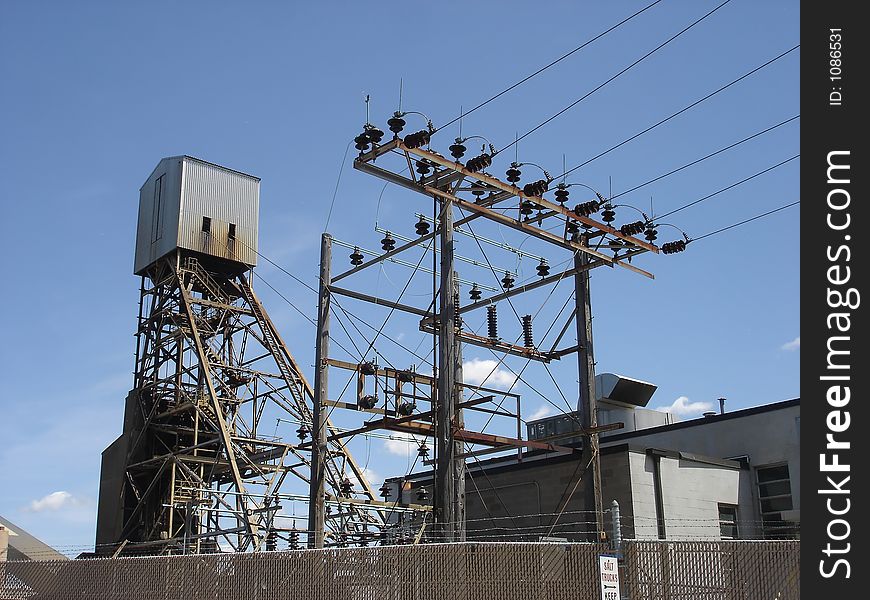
column 95, row 93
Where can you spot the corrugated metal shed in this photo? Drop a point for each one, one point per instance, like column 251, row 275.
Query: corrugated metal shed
column 196, row 205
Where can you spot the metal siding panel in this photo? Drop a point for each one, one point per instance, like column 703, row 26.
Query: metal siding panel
column 191, row 190
column 147, row 249
column 226, row 197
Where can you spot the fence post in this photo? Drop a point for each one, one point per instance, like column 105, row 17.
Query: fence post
column 617, row 527
column 665, row 553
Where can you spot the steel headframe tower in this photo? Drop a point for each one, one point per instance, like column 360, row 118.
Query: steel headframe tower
column 194, row 469
column 454, row 185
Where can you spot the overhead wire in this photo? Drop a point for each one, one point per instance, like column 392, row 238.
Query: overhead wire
column 337, row 182
column 353, row 317
column 612, row 78
column 745, row 221
column 359, row 353
column 681, row 111
column 495, row 491
column 703, row 158
column 547, row 66
column 401, row 294
column 334, row 300
column 571, row 494
column 390, row 314
column 519, row 319
column 513, row 308
column 528, row 361
column 519, row 376
column 728, row 187
column 287, row 300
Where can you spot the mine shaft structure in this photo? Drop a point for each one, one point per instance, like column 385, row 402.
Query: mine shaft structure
column 432, row 405
column 198, row 467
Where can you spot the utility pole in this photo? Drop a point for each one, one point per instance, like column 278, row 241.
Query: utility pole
column 316, row 506
column 466, row 184
column 459, row 422
column 450, row 471
column 588, row 400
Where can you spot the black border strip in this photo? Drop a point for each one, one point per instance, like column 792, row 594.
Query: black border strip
column 831, row 111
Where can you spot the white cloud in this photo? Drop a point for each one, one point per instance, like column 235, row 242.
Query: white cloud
column 540, row 412
column 55, row 501
column 400, row 444
column 681, row 407
column 372, row 476
column 793, row 345
column 487, row 373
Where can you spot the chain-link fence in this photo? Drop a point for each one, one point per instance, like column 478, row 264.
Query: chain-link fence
column 732, row 570
column 468, row 571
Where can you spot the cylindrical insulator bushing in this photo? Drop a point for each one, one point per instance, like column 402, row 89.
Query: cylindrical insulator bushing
column 492, row 322
column 528, row 341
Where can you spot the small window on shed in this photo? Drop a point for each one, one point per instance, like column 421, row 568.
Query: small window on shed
column 232, row 233
column 206, row 224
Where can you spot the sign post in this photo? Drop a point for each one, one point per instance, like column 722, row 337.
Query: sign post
column 608, row 570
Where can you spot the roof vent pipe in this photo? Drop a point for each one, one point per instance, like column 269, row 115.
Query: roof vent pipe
column 721, row 406
column 710, row 413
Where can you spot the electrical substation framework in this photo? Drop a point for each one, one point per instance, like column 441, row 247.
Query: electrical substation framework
column 432, row 406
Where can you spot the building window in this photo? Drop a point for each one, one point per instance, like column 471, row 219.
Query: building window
column 157, row 210
column 232, row 233
column 206, row 224
column 774, row 495
column 728, row 522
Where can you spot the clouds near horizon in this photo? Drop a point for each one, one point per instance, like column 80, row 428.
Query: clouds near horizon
column 793, row 345
column 682, row 407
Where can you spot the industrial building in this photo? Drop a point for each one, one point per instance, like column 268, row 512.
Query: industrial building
column 193, row 470
column 726, row 475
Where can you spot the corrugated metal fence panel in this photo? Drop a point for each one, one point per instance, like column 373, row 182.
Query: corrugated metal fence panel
column 469, row 571
column 226, row 197
column 732, row 570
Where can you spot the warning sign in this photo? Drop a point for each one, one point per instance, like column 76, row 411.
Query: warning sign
column 608, row 569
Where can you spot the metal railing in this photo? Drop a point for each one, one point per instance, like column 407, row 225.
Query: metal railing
column 467, row 571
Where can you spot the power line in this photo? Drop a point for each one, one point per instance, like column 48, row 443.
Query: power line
column 402, row 293
column 292, row 305
column 353, row 317
column 335, row 191
column 711, row 155
column 544, row 68
column 595, row 89
column 350, row 337
column 726, row 188
column 756, row 217
column 277, row 266
column 681, row 111
column 287, row 300
column 346, row 312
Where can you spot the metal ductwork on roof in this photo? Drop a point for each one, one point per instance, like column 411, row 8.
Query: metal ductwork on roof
column 611, row 387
